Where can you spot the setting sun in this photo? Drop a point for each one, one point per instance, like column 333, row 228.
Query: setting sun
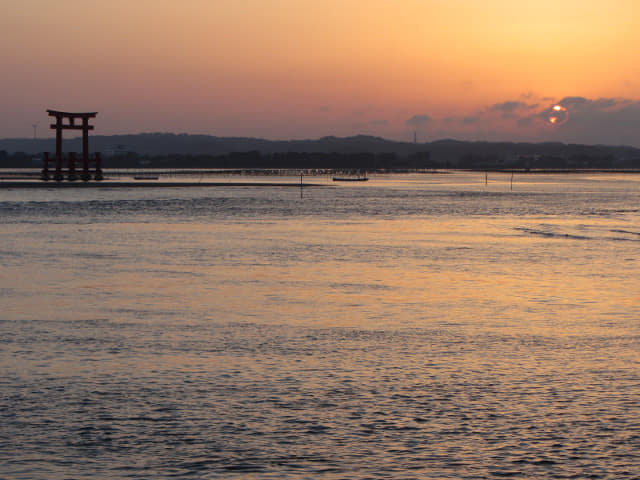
column 559, row 115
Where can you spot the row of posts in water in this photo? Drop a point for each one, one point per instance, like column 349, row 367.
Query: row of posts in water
column 91, row 169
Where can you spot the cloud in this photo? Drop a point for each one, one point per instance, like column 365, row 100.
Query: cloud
column 510, row 106
column 575, row 103
column 601, row 120
column 511, row 109
column 606, row 120
column 585, row 105
column 469, row 120
column 419, row 120
column 534, row 97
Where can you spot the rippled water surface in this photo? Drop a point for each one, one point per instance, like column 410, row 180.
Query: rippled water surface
column 418, row 326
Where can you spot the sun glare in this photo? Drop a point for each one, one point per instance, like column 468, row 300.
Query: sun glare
column 558, row 115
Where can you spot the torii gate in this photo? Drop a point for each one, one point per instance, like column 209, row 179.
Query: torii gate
column 71, row 125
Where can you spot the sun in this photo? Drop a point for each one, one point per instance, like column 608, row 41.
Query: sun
column 558, row 115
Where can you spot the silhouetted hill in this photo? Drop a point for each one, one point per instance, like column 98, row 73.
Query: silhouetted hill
column 184, row 144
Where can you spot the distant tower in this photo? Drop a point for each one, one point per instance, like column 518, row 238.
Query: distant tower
column 415, row 136
column 35, row 127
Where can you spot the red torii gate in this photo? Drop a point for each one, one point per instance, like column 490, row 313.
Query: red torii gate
column 71, row 125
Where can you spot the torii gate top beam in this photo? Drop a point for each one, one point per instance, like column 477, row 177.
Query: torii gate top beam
column 60, row 125
column 60, row 116
column 57, row 113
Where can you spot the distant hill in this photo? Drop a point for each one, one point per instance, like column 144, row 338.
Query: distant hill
column 440, row 153
column 184, row 144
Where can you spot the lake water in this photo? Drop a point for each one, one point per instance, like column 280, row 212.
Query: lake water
column 411, row 327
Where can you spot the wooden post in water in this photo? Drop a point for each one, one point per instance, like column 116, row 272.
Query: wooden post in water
column 45, row 167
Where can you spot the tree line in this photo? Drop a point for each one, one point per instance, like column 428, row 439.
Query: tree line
column 423, row 160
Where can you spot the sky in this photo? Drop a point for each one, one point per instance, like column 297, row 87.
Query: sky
column 291, row 69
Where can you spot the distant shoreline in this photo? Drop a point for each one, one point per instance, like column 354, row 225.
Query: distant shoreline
column 145, row 184
column 14, row 179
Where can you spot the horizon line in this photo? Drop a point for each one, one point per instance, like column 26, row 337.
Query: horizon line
column 325, row 137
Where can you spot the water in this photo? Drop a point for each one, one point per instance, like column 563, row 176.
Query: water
column 417, row 326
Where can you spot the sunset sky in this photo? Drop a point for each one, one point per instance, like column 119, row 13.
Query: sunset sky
column 284, row 69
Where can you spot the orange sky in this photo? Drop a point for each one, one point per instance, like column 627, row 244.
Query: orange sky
column 307, row 68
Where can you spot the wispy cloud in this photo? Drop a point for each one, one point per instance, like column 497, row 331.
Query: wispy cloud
column 511, row 109
column 419, row 120
column 509, row 106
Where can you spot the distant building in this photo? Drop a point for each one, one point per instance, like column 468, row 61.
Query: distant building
column 117, row 151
